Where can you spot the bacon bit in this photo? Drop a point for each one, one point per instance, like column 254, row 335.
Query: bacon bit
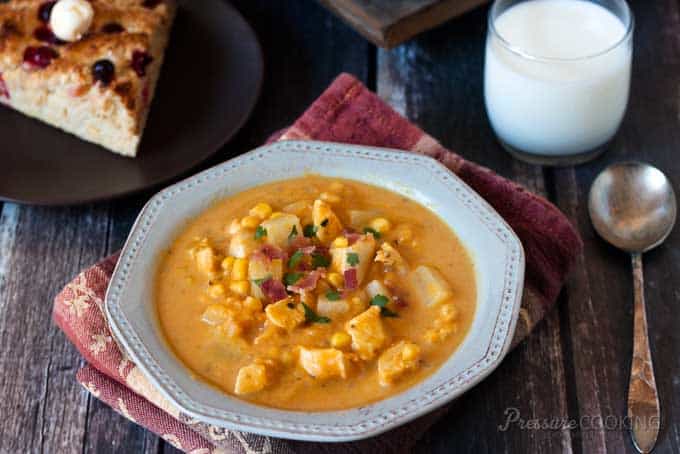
column 400, row 302
column 351, row 281
column 272, row 252
column 274, row 290
column 4, row 92
column 299, row 242
column 353, row 237
column 308, row 282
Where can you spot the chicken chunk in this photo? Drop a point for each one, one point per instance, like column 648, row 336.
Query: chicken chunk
column 392, row 259
column 251, row 379
column 285, row 314
column 396, row 361
column 368, row 333
column 279, row 229
column 327, row 224
column 362, row 251
column 323, row 363
column 242, row 244
column 429, row 287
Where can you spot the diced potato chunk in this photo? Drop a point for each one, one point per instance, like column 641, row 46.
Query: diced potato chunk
column 280, row 227
column 391, row 258
column 368, row 334
column 206, row 259
column 329, row 308
column 359, row 219
column 429, row 287
column 396, row 361
column 251, row 379
column 327, row 223
column 242, row 244
column 376, row 287
column 323, row 363
column 261, row 267
column 285, row 314
column 364, row 248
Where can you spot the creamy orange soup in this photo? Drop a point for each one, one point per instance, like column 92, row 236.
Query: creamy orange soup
column 315, row 294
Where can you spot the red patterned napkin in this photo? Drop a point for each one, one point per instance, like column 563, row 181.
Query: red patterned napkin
column 346, row 112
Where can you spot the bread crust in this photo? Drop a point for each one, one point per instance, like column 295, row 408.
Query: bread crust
column 64, row 93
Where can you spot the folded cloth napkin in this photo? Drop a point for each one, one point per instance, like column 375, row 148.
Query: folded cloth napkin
column 346, row 112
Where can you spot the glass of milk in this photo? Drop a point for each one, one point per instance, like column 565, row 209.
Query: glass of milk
column 557, row 76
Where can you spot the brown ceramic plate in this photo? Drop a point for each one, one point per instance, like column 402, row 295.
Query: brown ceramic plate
column 209, row 84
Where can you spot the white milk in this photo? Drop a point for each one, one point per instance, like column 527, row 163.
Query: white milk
column 548, row 105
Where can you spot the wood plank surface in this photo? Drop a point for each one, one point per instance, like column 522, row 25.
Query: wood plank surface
column 388, row 23
column 573, row 368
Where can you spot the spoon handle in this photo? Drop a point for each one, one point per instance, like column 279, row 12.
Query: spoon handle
column 643, row 399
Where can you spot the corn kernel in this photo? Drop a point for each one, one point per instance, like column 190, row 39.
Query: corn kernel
column 449, row 312
column 287, row 357
column 227, row 265
column 432, row 336
column 240, row 287
column 330, row 198
column 275, row 215
column 261, row 210
column 410, row 352
column 216, row 290
column 252, row 304
column 340, row 340
column 381, row 225
column 234, row 227
column 336, row 279
column 239, row 270
column 336, row 186
column 250, row 222
column 340, row 241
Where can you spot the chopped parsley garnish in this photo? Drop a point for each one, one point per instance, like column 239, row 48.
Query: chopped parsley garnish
column 320, row 261
column 373, row 232
column 261, row 280
column 332, row 295
column 293, row 233
column 324, row 223
column 260, row 232
column 352, row 258
column 381, row 301
column 291, row 278
column 313, row 317
column 295, row 259
column 309, row 230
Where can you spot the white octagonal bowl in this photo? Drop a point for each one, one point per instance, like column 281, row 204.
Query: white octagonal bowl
column 495, row 249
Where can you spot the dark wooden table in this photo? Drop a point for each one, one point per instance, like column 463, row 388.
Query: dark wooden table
column 574, row 367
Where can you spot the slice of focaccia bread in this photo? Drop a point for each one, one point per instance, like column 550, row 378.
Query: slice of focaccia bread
column 99, row 87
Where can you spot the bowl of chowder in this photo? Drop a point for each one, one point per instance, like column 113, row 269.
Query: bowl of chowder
column 317, row 291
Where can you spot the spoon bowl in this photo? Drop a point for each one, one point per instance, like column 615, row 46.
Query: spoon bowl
column 632, row 206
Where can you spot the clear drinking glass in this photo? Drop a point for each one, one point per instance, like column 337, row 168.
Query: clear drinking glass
column 555, row 96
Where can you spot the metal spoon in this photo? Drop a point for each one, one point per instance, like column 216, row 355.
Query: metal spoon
column 632, row 206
